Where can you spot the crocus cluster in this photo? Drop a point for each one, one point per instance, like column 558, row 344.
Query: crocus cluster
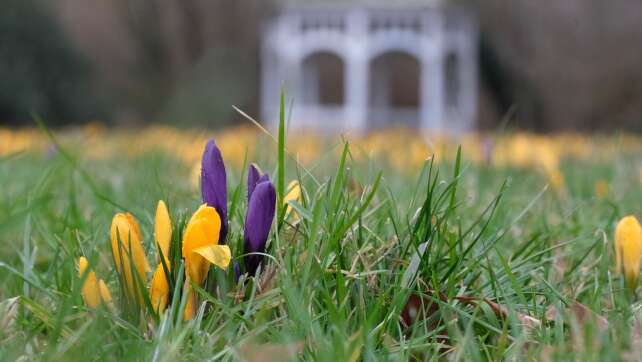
column 628, row 250
column 130, row 261
column 94, row 291
column 261, row 203
column 203, row 243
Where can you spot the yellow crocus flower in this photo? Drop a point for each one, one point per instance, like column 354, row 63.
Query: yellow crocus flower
column 200, row 249
column 159, row 289
column 628, row 249
column 294, row 193
column 105, row 295
column 163, row 229
column 94, row 291
column 125, row 233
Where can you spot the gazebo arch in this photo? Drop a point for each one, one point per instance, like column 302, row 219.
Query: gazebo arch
column 381, row 45
column 388, row 103
column 324, row 79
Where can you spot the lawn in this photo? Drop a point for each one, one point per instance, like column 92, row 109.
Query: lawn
column 398, row 247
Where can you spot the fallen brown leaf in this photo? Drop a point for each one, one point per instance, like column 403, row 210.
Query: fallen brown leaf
column 582, row 315
column 560, row 264
column 424, row 307
column 270, row 352
column 635, row 349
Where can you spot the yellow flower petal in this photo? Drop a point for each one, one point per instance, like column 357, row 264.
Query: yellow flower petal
column 219, row 255
column 628, row 249
column 90, row 289
column 163, row 229
column 191, row 305
column 125, row 231
column 200, row 248
column 105, row 295
column 134, row 226
column 202, row 230
column 159, row 290
column 212, row 223
column 294, row 191
column 195, row 266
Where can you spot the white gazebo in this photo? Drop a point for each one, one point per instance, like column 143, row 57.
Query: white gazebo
column 434, row 47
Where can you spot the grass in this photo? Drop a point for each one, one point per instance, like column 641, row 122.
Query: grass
column 453, row 260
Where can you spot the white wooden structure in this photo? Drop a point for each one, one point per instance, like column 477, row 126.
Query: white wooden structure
column 441, row 40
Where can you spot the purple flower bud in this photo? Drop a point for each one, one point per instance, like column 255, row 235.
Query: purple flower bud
column 214, row 184
column 258, row 220
column 254, row 177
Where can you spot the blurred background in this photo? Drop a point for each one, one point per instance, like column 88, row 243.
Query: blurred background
column 545, row 65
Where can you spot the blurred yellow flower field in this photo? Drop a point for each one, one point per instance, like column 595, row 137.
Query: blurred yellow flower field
column 402, row 148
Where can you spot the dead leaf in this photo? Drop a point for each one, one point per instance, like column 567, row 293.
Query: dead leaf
column 419, row 308
column 559, row 263
column 270, row 352
column 528, row 321
column 424, row 307
column 582, row 315
column 635, row 351
column 551, row 313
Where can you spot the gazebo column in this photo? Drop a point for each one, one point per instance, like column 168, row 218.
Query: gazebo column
column 285, row 75
column 432, row 81
column 356, row 105
column 432, row 93
column 356, row 71
column 281, row 68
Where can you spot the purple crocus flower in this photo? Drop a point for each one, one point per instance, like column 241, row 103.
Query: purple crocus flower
column 258, row 220
column 214, row 184
column 254, row 178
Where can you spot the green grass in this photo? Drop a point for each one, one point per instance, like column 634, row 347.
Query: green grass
column 476, row 248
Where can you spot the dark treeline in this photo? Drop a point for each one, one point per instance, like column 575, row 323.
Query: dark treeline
column 546, row 65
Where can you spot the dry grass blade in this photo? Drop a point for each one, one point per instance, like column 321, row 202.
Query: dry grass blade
column 267, row 279
column 529, row 323
column 8, row 312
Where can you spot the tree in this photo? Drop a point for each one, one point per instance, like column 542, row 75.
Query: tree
column 40, row 71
